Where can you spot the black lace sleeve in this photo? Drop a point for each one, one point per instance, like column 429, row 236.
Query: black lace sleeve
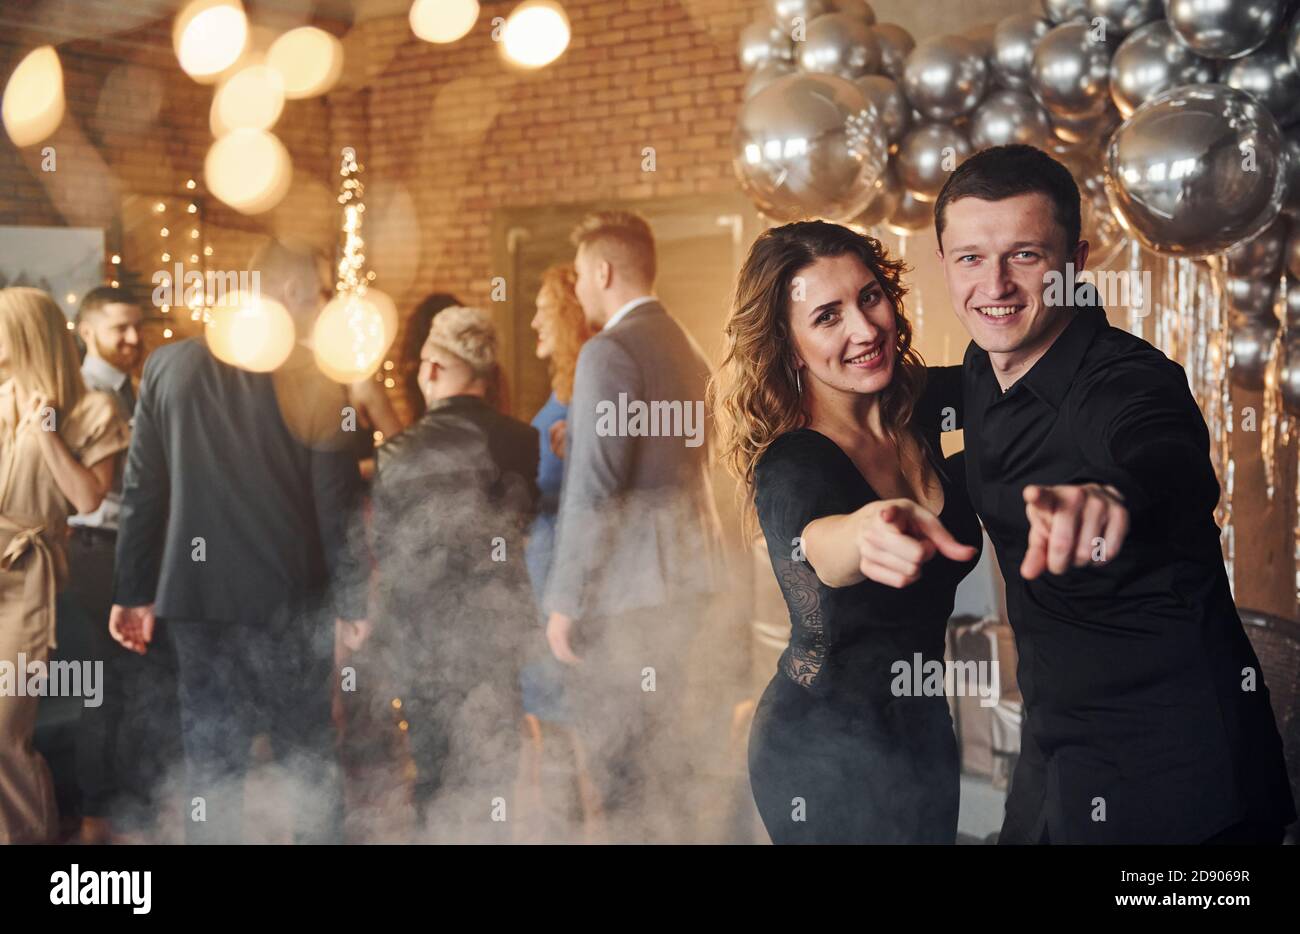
column 799, row 480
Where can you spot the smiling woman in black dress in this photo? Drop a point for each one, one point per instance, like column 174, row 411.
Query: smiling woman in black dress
column 833, row 423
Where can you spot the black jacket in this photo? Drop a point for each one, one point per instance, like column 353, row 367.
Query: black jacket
column 226, row 514
column 453, row 496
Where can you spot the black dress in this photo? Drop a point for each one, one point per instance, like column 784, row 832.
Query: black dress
column 835, row 755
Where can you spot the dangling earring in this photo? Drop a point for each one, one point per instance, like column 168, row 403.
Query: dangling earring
column 798, row 384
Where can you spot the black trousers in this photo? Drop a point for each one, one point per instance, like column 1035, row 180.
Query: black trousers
column 128, row 745
column 241, row 679
column 1026, row 817
column 456, row 667
column 464, row 741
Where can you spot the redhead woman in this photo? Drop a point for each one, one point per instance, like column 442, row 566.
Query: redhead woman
column 831, row 421
column 58, row 445
column 561, row 332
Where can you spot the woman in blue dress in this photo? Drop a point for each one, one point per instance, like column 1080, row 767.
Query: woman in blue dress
column 561, row 332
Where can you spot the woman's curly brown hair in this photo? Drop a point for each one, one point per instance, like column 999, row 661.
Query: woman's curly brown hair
column 571, row 328
column 755, row 394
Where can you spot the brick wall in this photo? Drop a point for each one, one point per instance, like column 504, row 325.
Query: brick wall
column 446, row 134
column 454, row 134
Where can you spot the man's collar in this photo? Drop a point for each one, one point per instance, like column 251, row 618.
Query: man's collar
column 1051, row 375
column 103, row 371
column 622, row 313
column 455, row 402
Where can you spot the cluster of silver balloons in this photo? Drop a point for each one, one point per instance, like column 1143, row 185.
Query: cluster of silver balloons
column 854, row 120
column 1180, row 120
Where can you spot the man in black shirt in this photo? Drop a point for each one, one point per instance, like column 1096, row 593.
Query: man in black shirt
column 1146, row 716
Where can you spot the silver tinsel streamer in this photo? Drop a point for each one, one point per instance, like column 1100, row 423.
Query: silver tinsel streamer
column 1138, row 308
column 1188, row 317
column 1275, row 419
column 1287, row 432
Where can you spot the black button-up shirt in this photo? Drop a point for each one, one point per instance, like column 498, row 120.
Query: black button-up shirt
column 1137, row 725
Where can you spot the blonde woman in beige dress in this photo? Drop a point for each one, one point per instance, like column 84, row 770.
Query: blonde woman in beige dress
column 58, row 444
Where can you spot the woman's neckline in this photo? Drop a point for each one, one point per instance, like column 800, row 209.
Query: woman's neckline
column 867, row 483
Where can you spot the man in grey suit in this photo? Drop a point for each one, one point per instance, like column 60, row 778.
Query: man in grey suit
column 638, row 550
column 238, row 495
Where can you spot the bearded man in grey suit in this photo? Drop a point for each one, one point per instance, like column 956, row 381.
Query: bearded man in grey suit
column 638, row 551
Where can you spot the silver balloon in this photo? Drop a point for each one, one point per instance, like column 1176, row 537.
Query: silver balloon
column 838, row 44
column 1293, row 307
column 1121, row 17
column 1099, row 226
column 1291, row 142
column 1013, row 47
column 945, row 77
column 1009, row 117
column 786, row 12
column 1084, row 164
column 762, row 42
column 1062, row 11
column 1260, row 257
column 884, row 202
column 895, row 44
column 1269, row 76
column 1291, row 254
column 982, row 37
column 1196, row 169
column 1070, row 72
column 1096, row 129
column 764, row 75
column 809, row 146
column 859, row 9
column 1293, row 42
column 1251, row 342
column 1251, row 297
column 927, row 156
column 910, row 215
column 1150, row 61
column 1289, row 377
column 886, row 96
column 1224, row 28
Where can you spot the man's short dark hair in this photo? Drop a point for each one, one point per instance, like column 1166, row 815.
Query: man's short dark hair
column 102, row 295
column 1006, row 171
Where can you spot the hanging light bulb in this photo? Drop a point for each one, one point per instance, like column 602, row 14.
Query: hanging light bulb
column 536, row 33
column 248, row 170
column 249, row 331
column 349, row 340
column 309, row 61
column 443, row 21
column 33, row 103
column 209, row 36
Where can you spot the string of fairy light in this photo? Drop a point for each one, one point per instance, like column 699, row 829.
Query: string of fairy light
column 353, row 278
column 353, row 261
column 197, row 308
column 196, row 305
